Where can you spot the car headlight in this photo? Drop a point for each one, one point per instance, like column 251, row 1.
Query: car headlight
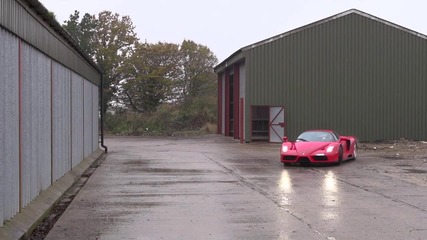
column 285, row 148
column 329, row 149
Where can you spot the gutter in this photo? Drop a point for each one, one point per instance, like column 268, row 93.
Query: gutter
column 101, row 89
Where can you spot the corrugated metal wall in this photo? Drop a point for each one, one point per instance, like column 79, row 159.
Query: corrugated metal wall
column 95, row 117
column 353, row 74
column 53, row 115
column 42, row 107
column 77, row 119
column 61, row 120
column 87, row 119
column 9, row 126
column 36, row 123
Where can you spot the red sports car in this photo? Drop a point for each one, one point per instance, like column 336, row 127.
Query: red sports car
column 318, row 146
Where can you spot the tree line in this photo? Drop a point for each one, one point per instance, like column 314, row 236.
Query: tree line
column 161, row 86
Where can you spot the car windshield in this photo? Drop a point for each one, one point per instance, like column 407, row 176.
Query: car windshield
column 316, row 136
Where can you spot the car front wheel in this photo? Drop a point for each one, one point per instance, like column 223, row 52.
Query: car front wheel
column 340, row 153
column 355, row 152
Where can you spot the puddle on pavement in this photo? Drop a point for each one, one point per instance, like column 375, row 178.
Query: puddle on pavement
column 413, row 170
column 165, row 183
column 168, row 170
column 395, row 157
column 248, row 160
column 134, row 204
column 253, row 170
column 140, row 161
column 403, row 165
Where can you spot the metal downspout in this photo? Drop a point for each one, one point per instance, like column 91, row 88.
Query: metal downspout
column 102, row 113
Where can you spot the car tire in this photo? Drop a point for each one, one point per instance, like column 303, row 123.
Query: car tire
column 340, row 155
column 355, row 152
column 286, row 164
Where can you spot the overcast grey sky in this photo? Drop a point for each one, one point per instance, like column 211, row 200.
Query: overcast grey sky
column 228, row 25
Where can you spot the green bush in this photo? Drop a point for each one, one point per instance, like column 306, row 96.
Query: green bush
column 195, row 115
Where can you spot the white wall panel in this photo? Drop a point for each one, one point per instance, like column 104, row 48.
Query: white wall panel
column 9, row 126
column 36, row 123
column 61, row 124
column 77, row 119
column 87, row 118
column 95, row 118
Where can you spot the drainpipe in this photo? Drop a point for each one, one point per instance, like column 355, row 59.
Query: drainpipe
column 101, row 89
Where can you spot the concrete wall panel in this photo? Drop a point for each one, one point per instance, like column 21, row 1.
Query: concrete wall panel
column 61, row 124
column 76, row 119
column 9, row 126
column 36, row 123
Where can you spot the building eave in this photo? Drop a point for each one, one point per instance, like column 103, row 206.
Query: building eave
column 41, row 10
column 237, row 56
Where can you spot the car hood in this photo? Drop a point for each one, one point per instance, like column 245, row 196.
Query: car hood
column 305, row 148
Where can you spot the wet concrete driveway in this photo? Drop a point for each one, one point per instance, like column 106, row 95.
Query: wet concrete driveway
column 212, row 187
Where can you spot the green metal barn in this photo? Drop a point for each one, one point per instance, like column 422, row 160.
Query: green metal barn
column 352, row 72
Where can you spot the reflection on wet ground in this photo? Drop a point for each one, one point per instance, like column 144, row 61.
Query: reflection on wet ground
column 285, row 186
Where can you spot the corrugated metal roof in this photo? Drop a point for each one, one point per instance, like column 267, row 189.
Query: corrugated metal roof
column 228, row 61
column 233, row 58
column 41, row 10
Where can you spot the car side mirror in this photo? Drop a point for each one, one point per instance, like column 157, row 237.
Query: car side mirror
column 285, row 139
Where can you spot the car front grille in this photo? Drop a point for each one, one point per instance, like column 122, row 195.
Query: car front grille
column 289, row 157
column 320, row 158
column 304, row 160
